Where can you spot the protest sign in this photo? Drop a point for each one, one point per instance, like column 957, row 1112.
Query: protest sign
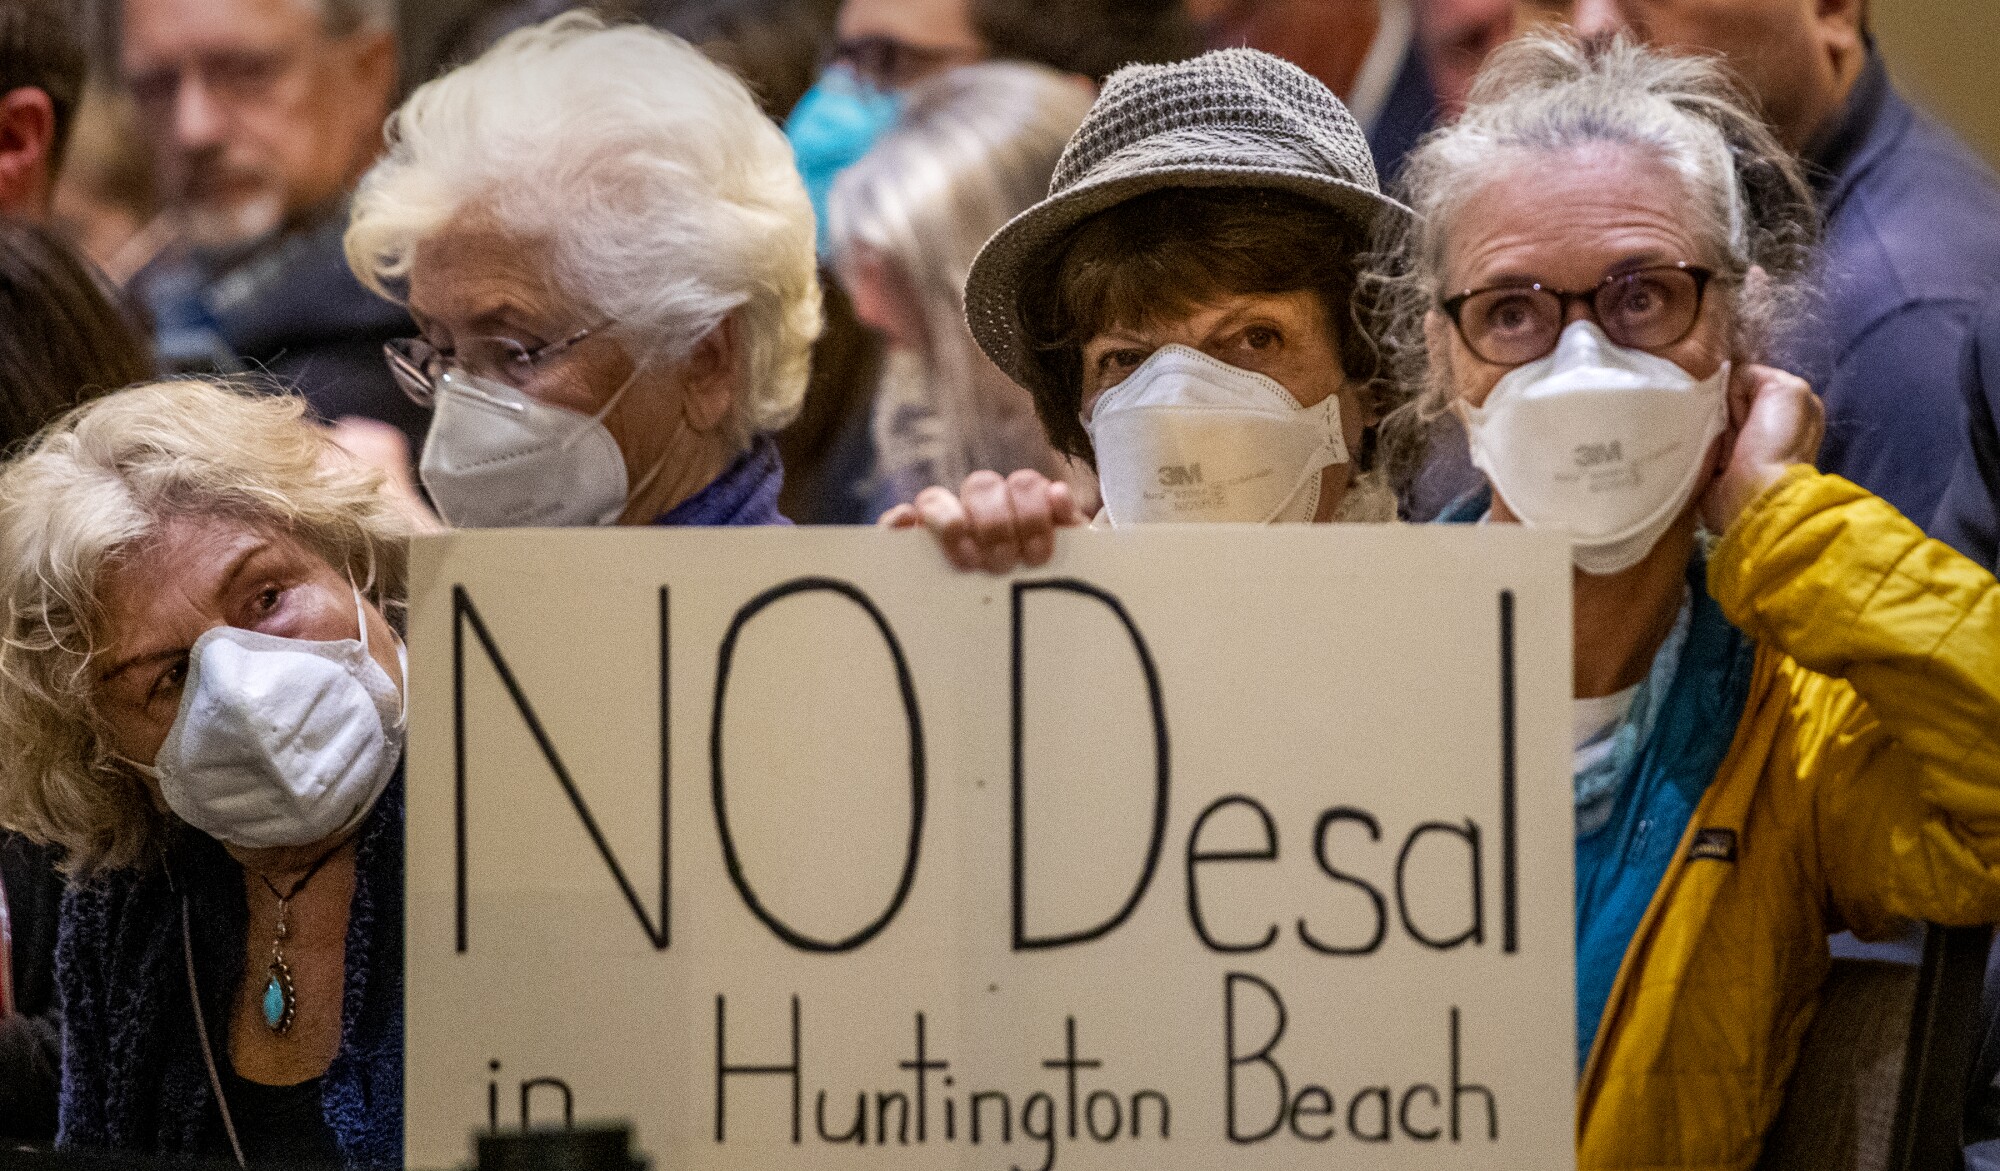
column 1198, row 848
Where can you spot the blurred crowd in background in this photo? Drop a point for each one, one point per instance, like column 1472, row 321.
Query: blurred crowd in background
column 205, row 187
column 200, row 154
column 207, row 150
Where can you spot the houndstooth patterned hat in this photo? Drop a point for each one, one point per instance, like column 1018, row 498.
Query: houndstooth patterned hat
column 1231, row 118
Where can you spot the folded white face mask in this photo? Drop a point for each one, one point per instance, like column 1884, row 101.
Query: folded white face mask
column 1600, row 442
column 280, row 741
column 497, row 458
column 1187, row 437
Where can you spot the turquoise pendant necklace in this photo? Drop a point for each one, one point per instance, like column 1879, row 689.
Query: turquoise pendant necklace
column 281, row 999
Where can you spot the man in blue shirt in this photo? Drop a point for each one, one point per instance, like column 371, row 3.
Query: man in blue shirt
column 1912, row 249
column 1967, row 517
column 1912, row 241
column 1366, row 51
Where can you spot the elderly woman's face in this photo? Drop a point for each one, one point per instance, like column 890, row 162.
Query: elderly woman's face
column 1568, row 222
column 193, row 574
column 1287, row 337
column 1283, row 336
column 472, row 279
column 476, row 279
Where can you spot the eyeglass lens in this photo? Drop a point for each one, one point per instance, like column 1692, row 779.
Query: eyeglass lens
column 1645, row 310
column 417, row 365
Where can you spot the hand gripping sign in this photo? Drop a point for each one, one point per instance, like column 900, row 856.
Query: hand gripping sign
column 1199, row 848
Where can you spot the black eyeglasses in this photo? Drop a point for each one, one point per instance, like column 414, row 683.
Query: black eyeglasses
column 1647, row 308
column 417, row 364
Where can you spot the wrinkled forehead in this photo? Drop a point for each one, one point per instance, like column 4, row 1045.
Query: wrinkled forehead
column 178, row 564
column 1567, row 215
column 475, row 267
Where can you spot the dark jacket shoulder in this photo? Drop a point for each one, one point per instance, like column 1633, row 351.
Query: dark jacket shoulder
column 289, row 308
column 1912, row 215
column 1912, row 245
column 1969, row 517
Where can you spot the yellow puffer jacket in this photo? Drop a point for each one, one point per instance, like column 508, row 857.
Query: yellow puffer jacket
column 1863, row 791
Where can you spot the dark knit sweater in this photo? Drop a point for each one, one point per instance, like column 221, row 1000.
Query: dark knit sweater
column 31, row 1039
column 133, row 1075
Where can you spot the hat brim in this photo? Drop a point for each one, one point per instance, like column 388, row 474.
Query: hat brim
column 993, row 287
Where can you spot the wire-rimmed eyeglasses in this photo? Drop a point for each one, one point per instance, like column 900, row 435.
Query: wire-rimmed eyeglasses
column 418, row 365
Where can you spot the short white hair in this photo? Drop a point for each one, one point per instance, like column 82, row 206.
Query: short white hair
column 668, row 200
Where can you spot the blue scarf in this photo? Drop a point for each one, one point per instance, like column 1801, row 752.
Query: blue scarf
column 746, row 493
column 133, row 1077
column 1598, row 780
column 1619, row 864
column 1671, row 743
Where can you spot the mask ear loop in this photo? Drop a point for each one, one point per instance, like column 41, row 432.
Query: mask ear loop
column 610, row 404
column 646, row 480
column 604, row 412
column 402, row 648
column 1314, row 474
column 360, row 614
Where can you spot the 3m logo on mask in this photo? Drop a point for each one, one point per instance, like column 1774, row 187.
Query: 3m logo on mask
column 1180, row 475
column 1595, row 455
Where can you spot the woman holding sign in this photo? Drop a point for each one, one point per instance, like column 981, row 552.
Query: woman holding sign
column 201, row 707
column 1786, row 735
column 1182, row 309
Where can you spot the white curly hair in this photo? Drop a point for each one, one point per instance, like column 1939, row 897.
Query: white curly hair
column 668, row 199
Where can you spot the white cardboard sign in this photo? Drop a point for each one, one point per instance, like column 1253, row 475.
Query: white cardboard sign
column 1199, row 848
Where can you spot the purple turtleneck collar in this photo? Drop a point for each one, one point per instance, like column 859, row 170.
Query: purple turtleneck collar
column 744, row 494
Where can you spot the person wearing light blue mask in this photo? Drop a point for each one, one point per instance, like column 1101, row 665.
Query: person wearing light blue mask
column 886, row 46
column 831, row 128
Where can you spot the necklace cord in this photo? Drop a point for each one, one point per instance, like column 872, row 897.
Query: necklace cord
column 6, row 955
column 194, row 992
column 311, row 871
column 201, row 1032
column 279, row 1014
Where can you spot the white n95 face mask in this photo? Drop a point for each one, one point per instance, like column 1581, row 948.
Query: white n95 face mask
column 280, row 741
column 497, row 458
column 1187, row 437
column 1598, row 441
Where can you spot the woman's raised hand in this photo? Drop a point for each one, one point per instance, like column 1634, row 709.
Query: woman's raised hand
column 992, row 523
column 1775, row 422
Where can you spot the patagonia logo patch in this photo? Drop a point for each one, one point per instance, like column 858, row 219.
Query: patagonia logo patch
column 1716, row 845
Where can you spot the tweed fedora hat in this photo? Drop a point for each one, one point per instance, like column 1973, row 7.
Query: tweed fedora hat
column 1230, row 118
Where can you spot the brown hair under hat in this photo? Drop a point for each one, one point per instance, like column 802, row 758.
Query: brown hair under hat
column 1235, row 118
column 1167, row 253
